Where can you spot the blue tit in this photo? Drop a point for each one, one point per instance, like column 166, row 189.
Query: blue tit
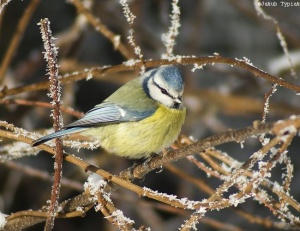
column 142, row 117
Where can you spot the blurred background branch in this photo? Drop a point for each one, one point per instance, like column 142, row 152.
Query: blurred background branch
column 253, row 176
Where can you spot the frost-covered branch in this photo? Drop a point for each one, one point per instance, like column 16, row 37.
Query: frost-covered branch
column 280, row 36
column 99, row 72
column 169, row 38
column 15, row 41
column 103, row 29
column 131, row 38
column 55, row 94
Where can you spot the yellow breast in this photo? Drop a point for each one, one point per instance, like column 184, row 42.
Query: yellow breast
column 140, row 139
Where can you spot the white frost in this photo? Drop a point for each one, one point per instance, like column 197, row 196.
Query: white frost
column 131, row 62
column 120, row 219
column 94, row 183
column 2, row 220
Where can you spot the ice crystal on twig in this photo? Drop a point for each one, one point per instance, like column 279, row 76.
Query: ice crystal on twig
column 279, row 34
column 50, row 55
column 131, row 38
column 169, row 37
column 2, row 221
column 16, row 150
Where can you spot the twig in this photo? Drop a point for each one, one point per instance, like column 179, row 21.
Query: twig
column 50, row 56
column 99, row 26
column 28, row 13
column 3, row 3
column 279, row 128
column 169, row 38
column 70, row 208
column 25, row 102
column 100, row 71
column 43, row 175
column 279, row 34
column 267, row 102
column 215, row 140
column 131, row 38
column 106, row 175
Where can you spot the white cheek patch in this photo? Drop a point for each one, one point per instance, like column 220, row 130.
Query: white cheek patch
column 155, row 93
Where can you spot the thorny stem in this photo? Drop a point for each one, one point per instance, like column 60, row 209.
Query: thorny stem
column 50, row 56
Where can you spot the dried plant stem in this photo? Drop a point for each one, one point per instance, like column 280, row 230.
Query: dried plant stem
column 42, row 175
column 3, row 3
column 198, row 182
column 108, row 209
column 208, row 190
column 248, row 164
column 169, row 37
column 267, row 102
column 100, row 71
column 228, row 136
column 278, row 129
column 279, row 33
column 23, row 219
column 25, row 102
column 13, row 46
column 51, row 57
column 99, row 26
column 131, row 38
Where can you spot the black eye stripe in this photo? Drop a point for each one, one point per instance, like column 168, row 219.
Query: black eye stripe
column 164, row 91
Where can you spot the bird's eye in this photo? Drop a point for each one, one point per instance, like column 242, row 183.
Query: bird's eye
column 164, row 91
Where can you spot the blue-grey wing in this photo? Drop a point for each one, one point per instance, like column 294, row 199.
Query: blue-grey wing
column 109, row 113
column 102, row 114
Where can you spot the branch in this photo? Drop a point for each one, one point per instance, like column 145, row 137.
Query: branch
column 99, row 26
column 18, row 35
column 178, row 60
column 55, row 91
column 229, row 136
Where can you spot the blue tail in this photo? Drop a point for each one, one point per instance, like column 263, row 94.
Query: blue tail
column 60, row 133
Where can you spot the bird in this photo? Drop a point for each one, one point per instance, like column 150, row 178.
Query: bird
column 142, row 117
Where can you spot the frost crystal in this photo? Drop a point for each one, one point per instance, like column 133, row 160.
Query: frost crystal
column 233, row 200
column 16, row 150
column 202, row 210
column 279, row 34
column 2, row 220
column 126, row 10
column 85, row 144
column 197, row 66
column 94, row 183
column 131, row 38
column 189, row 204
column 169, row 38
column 131, row 62
column 120, row 219
column 89, row 75
column 116, row 41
